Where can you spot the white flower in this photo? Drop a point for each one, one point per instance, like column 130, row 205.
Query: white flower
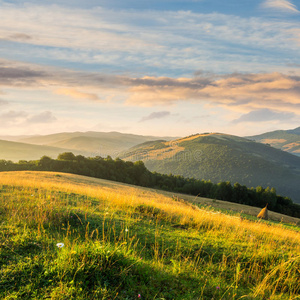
column 126, row 229
column 60, row 245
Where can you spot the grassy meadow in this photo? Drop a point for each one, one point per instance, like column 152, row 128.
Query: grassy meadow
column 126, row 242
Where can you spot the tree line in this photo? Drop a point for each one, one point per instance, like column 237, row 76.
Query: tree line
column 136, row 173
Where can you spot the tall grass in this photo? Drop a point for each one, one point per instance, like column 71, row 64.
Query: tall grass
column 121, row 242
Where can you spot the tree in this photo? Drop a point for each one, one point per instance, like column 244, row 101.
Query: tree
column 45, row 163
column 66, row 156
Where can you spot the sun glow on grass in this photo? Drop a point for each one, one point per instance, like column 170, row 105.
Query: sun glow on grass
column 121, row 241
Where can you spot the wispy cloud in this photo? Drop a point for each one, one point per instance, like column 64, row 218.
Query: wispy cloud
column 157, row 40
column 265, row 115
column 280, row 5
column 21, row 37
column 156, row 115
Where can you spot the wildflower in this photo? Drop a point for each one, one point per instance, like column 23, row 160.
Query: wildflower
column 60, row 245
column 126, row 229
column 217, row 287
column 139, row 296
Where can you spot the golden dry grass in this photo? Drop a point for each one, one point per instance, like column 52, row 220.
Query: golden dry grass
column 122, row 195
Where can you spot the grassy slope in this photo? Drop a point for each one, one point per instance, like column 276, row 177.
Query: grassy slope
column 235, row 159
column 122, row 241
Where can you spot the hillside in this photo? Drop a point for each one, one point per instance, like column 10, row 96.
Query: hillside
column 286, row 140
column 82, row 238
column 294, row 131
column 15, row 151
column 219, row 157
column 95, row 143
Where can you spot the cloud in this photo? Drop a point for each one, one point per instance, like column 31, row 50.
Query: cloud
column 25, row 75
column 162, row 40
column 265, row 115
column 44, row 117
column 3, row 102
column 242, row 92
column 73, row 93
column 156, row 115
column 21, row 118
column 234, row 91
column 280, row 5
column 12, row 117
column 82, row 29
column 22, row 37
column 19, row 74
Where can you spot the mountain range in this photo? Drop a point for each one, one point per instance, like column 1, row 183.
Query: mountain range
column 221, row 157
column 252, row 161
column 85, row 143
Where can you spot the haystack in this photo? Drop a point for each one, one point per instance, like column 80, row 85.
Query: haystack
column 263, row 213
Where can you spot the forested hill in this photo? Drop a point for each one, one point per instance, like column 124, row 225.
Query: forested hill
column 220, row 157
column 136, row 173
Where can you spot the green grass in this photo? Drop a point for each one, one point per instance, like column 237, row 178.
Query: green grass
column 115, row 248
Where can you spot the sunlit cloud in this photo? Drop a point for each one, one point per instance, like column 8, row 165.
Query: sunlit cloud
column 237, row 92
column 281, row 5
column 241, row 92
column 73, row 93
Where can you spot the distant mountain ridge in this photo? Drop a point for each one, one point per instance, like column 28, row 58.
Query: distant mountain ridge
column 85, row 143
column 221, row 157
column 96, row 143
column 286, row 140
column 16, row 151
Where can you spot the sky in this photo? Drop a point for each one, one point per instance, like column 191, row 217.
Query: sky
column 155, row 67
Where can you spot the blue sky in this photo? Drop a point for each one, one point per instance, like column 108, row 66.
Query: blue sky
column 149, row 67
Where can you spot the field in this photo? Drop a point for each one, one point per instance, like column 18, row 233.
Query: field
column 126, row 242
